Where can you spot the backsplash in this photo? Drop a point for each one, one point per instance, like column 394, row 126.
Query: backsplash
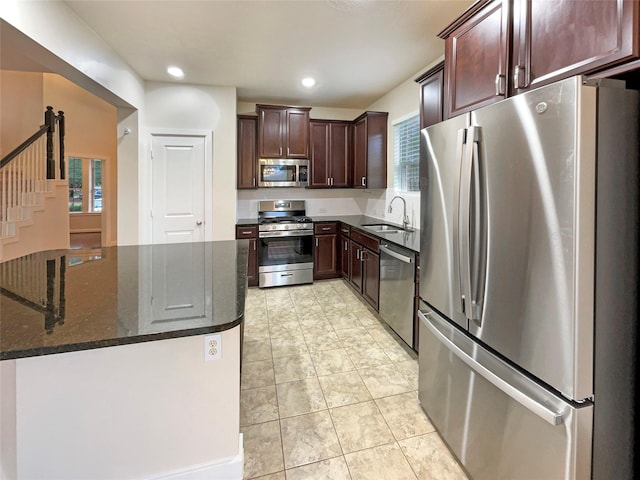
column 373, row 203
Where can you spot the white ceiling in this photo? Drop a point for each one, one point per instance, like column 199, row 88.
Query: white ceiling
column 358, row 50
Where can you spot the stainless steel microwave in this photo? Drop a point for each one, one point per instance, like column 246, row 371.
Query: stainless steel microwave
column 277, row 172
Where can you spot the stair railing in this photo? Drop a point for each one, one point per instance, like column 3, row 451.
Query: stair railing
column 25, row 170
column 38, row 283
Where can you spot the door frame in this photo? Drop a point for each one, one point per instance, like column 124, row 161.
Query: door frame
column 146, row 179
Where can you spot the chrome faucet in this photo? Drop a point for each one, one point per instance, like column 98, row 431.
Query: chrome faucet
column 405, row 219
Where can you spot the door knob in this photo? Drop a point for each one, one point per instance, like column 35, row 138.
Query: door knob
column 199, row 222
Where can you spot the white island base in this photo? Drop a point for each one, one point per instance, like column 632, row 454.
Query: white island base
column 151, row 410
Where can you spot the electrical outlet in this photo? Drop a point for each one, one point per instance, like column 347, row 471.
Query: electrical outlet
column 212, row 347
column 323, row 210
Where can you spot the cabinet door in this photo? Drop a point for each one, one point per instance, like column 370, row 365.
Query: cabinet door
column 319, row 154
column 297, row 128
column 271, row 133
column 247, row 150
column 325, row 263
column 477, row 56
column 556, row 39
column 344, row 257
column 355, row 262
column 360, row 154
column 431, row 96
column 371, row 278
column 340, row 143
column 252, row 267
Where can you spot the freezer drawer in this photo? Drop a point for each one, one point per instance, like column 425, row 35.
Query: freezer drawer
column 499, row 423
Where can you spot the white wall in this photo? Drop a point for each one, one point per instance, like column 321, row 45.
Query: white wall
column 64, row 44
column 132, row 411
column 401, row 102
column 198, row 107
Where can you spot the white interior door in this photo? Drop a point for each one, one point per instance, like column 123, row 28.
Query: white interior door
column 178, row 188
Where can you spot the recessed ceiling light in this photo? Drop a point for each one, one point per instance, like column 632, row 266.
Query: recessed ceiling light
column 175, row 72
column 308, row 82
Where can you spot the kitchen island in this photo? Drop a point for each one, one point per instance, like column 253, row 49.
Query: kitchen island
column 123, row 362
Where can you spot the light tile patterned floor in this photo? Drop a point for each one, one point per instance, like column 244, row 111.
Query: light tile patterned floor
column 329, row 392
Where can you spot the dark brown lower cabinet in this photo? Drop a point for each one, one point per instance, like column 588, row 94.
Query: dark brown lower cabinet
column 325, row 262
column 371, row 277
column 365, row 271
column 250, row 233
column 344, row 257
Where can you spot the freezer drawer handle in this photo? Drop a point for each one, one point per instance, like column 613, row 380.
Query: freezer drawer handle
column 399, row 256
column 554, row 418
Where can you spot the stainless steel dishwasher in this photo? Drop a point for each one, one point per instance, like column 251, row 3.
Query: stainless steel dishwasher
column 397, row 289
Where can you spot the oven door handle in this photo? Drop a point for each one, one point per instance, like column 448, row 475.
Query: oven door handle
column 286, row 233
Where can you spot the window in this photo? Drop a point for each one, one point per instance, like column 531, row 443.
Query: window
column 406, row 154
column 85, row 185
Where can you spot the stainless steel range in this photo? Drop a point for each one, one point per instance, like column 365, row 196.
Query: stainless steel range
column 285, row 246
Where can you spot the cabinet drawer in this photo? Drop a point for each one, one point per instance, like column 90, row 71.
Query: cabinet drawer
column 325, row 228
column 345, row 230
column 365, row 240
column 246, row 232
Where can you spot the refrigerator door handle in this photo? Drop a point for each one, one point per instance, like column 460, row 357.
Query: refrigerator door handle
column 464, row 217
column 552, row 417
column 458, row 267
column 478, row 250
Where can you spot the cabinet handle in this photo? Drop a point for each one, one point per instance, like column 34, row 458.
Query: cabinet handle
column 499, row 85
column 288, row 151
column 358, row 254
column 246, row 232
column 363, row 181
column 316, row 242
column 254, row 181
column 326, row 228
column 362, row 256
column 516, row 77
column 254, row 245
column 346, row 245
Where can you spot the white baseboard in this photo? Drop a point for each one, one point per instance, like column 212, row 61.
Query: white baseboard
column 231, row 468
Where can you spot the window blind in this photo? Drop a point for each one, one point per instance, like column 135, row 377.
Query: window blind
column 406, row 144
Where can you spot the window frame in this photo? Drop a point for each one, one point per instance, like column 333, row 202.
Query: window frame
column 401, row 185
column 88, row 185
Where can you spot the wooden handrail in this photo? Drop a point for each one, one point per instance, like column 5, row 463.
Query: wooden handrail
column 49, row 127
column 23, row 146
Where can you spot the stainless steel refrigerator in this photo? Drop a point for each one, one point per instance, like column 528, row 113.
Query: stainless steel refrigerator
column 529, row 283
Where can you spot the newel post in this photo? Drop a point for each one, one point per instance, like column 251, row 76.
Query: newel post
column 61, row 137
column 50, row 122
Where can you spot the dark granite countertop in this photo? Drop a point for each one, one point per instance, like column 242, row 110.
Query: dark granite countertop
column 63, row 301
column 406, row 239
column 410, row 240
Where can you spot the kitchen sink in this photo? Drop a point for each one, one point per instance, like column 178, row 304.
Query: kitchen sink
column 383, row 228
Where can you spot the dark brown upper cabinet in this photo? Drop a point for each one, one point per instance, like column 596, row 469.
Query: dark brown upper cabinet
column 370, row 150
column 431, row 95
column 247, row 151
column 283, row 132
column 498, row 48
column 476, row 57
column 556, row 39
column 330, row 154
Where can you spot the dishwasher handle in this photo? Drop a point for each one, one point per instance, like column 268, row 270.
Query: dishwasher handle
column 396, row 255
